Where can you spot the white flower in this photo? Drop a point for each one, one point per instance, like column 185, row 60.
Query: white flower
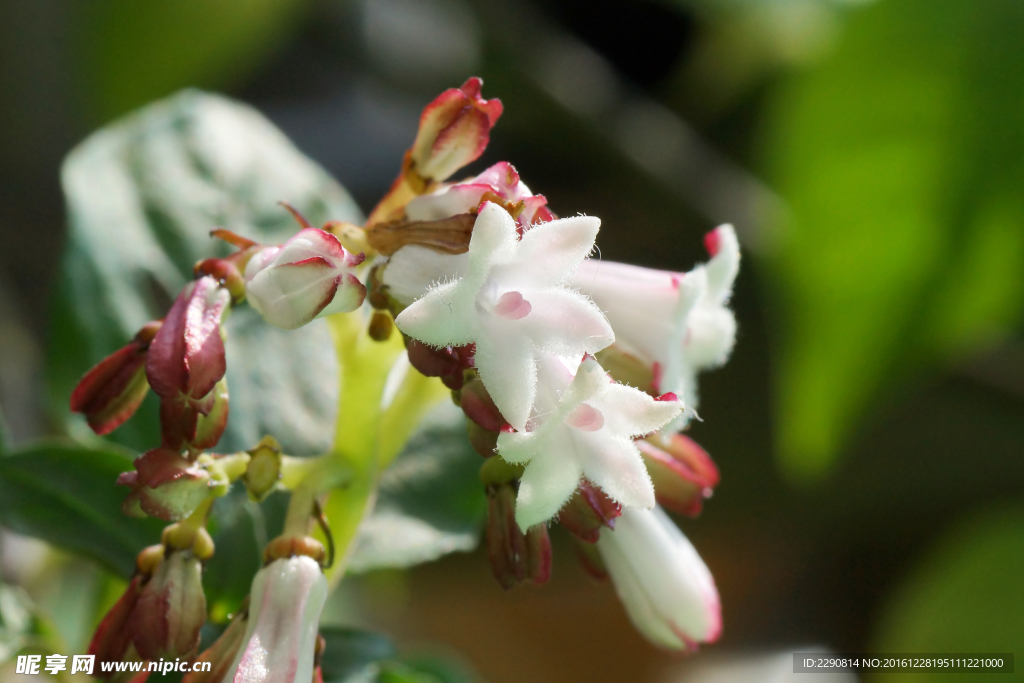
column 678, row 322
column 511, row 303
column 583, row 426
column 309, row 276
column 284, row 615
column 666, row 588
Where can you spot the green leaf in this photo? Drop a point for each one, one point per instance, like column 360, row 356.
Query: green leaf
column 5, row 434
column 965, row 596
column 210, row 43
column 353, row 655
column 67, row 495
column 240, row 529
column 430, row 502
column 901, row 157
column 142, row 196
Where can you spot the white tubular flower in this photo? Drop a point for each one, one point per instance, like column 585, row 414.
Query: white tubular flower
column 677, row 322
column 512, row 304
column 309, row 276
column 666, row 588
column 284, row 615
column 583, row 426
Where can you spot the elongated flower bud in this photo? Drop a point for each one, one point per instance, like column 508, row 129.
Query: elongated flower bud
column 683, row 472
column 665, row 587
column 113, row 389
column 185, row 364
column 284, row 614
column 588, row 511
column 309, row 276
column 170, row 610
column 454, row 131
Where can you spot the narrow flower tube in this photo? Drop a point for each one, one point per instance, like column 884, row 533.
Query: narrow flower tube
column 667, row 590
column 310, row 276
column 284, row 613
column 677, row 323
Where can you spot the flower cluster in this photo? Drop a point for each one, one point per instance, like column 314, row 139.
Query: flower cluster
column 576, row 376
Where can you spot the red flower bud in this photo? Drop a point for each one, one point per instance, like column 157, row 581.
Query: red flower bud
column 112, row 637
column 587, row 511
column 185, row 363
column 165, row 485
column 113, row 389
column 454, row 131
column 170, row 610
column 515, row 557
column 683, row 472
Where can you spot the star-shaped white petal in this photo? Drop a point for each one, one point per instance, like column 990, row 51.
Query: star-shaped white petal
column 511, row 302
column 583, row 427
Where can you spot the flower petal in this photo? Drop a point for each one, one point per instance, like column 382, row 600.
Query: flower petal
column 631, row 412
column 547, row 483
column 508, row 370
column 565, row 323
column 549, row 252
column 615, row 465
column 414, row 269
column 443, row 316
column 289, row 295
column 493, row 242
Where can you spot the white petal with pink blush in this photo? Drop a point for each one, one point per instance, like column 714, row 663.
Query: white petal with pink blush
column 583, row 426
column 510, row 300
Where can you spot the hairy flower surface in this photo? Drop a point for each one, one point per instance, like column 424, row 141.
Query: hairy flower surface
column 663, row 583
column 583, row 426
column 309, row 276
column 284, row 613
column 677, row 322
column 510, row 302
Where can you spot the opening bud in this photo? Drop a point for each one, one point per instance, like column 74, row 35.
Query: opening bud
column 683, row 472
column 171, row 609
column 454, row 131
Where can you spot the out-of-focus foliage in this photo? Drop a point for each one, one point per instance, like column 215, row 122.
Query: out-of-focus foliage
column 430, row 501
column 902, row 158
column 208, row 43
column 142, row 197
column 355, row 656
column 22, row 629
column 67, row 495
column 966, row 596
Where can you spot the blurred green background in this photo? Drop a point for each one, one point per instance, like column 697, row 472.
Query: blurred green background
column 870, row 425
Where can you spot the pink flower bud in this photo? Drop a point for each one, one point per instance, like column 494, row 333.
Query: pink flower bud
column 113, row 389
column 515, row 556
column 309, row 276
column 454, row 131
column 499, row 184
column 284, row 614
column 185, row 363
column 666, row 588
column 588, row 511
column 165, row 485
column 683, row 472
column 170, row 610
